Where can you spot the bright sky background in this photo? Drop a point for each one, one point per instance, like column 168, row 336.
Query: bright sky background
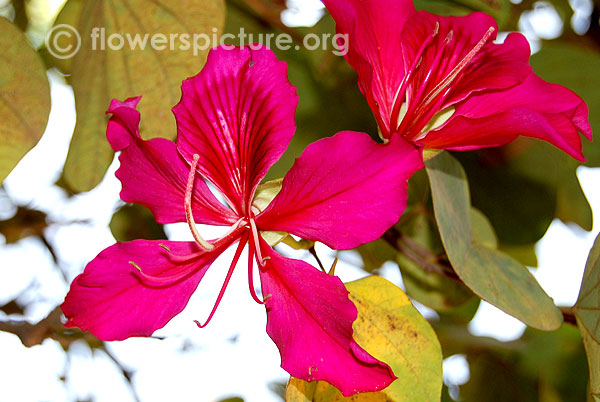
column 233, row 355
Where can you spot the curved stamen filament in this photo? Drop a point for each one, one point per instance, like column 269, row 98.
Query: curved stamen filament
column 233, row 231
column 250, row 274
column 259, row 257
column 236, row 258
column 182, row 258
column 402, row 88
column 415, row 104
column 203, row 244
column 459, row 67
column 425, row 105
column 161, row 280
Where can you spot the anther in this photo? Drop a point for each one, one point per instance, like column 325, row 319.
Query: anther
column 449, row 37
column 135, row 266
column 165, row 247
column 161, row 280
column 188, row 207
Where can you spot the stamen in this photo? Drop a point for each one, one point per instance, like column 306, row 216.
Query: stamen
column 238, row 253
column 434, row 100
column 415, row 105
column 135, row 266
column 177, row 258
column 231, row 233
column 251, row 273
column 407, row 76
column 459, row 67
column 161, row 280
column 259, row 257
column 234, row 228
column 188, row 207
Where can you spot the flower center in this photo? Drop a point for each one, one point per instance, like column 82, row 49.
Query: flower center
column 418, row 103
column 245, row 229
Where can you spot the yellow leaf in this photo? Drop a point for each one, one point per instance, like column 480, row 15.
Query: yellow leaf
column 393, row 331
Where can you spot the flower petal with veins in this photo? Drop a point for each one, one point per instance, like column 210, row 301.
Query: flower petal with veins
column 309, row 317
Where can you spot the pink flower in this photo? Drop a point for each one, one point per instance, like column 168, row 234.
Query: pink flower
column 442, row 82
column 235, row 120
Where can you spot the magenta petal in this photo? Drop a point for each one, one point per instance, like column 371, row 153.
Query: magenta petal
column 535, row 109
column 344, row 191
column 154, row 174
column 374, row 48
column 237, row 114
column 113, row 302
column 309, row 317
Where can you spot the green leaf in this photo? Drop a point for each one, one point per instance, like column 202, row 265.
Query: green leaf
column 376, row 253
column 134, row 221
column 525, row 254
column 431, row 289
column 587, row 312
column 393, row 331
column 101, row 75
column 492, row 275
column 483, row 232
column 24, row 97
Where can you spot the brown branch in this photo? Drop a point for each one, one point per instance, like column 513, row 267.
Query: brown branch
column 34, row 334
column 568, row 315
column 50, row 327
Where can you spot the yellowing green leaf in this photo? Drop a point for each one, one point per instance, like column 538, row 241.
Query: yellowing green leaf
column 265, row 193
column 492, row 275
column 154, row 72
column 393, row 331
column 587, row 312
column 320, row 391
column 24, row 97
